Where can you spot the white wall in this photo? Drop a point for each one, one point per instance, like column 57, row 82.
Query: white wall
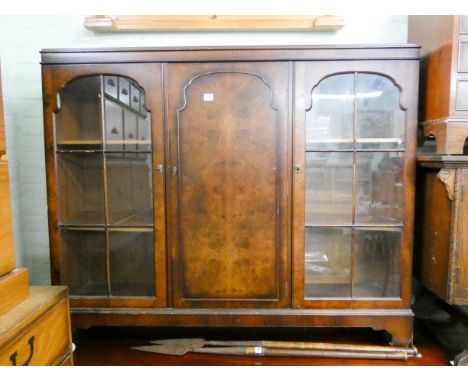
column 22, row 37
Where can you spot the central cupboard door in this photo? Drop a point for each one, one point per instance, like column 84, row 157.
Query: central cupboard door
column 228, row 189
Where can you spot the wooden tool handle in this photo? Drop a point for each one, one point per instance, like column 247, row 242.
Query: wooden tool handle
column 233, row 350
column 337, row 347
column 333, row 354
column 316, row 346
column 261, row 351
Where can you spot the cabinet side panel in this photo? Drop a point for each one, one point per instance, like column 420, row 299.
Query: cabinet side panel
column 435, row 34
column 461, row 264
column 7, row 251
column 434, row 220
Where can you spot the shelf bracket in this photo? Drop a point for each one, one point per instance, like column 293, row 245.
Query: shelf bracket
column 447, row 177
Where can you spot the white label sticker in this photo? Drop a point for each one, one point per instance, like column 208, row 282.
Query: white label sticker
column 208, row 97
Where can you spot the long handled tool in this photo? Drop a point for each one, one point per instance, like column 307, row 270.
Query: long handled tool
column 277, row 348
column 200, row 342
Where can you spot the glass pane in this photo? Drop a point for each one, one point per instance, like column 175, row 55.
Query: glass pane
column 142, row 103
column 329, row 123
column 377, row 264
column 144, row 133
column 124, row 91
column 329, row 188
column 111, row 86
column 113, row 126
column 380, row 122
column 84, row 261
column 78, row 122
column 130, row 130
column 129, row 187
column 135, row 97
column 80, row 188
column 379, row 188
column 327, row 264
column 131, row 263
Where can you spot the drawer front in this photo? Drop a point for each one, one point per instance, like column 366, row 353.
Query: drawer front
column 462, row 95
column 463, row 57
column 464, row 24
column 43, row 342
column 110, row 86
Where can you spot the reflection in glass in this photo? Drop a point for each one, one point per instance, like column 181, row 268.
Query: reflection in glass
column 124, row 91
column 80, row 188
column 134, row 97
column 354, row 198
column 111, row 86
column 131, row 263
column 78, row 122
column 130, row 130
column 329, row 188
column 327, row 264
column 377, row 265
column 101, row 188
column 380, row 121
column 144, row 133
column 129, row 187
column 329, row 123
column 84, row 261
column 114, row 126
column 379, row 188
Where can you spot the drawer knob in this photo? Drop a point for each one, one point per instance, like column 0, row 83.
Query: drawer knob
column 31, row 352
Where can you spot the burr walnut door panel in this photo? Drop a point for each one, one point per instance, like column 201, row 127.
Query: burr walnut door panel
column 228, row 148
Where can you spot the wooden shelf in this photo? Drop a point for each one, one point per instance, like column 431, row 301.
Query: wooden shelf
column 138, row 219
column 80, row 142
column 358, row 140
column 125, row 23
column 128, row 142
column 84, row 219
column 110, row 228
column 97, row 142
column 370, row 227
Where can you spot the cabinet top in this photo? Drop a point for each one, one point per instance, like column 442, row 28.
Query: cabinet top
column 231, row 53
column 442, row 160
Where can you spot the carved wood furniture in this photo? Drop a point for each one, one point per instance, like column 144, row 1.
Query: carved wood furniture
column 268, row 186
column 443, row 102
column 441, row 257
column 442, row 262
column 34, row 321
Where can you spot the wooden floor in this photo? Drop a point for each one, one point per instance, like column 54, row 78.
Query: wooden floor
column 112, row 346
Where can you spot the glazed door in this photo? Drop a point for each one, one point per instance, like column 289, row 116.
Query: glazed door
column 353, row 184
column 228, row 184
column 106, row 186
